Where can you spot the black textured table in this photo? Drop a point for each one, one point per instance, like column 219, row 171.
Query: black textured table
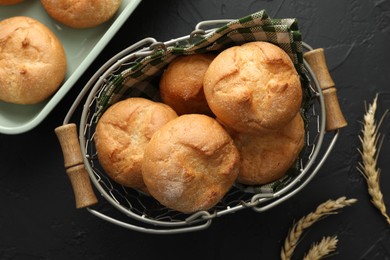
column 38, row 219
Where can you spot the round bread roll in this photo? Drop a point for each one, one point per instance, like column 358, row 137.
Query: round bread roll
column 10, row 2
column 81, row 13
column 32, row 61
column 253, row 87
column 267, row 157
column 190, row 163
column 122, row 134
column 181, row 85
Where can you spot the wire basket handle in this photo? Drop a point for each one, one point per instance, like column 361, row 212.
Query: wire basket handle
column 74, row 165
column 334, row 116
column 150, row 230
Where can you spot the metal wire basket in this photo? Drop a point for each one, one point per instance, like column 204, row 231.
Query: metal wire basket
column 145, row 214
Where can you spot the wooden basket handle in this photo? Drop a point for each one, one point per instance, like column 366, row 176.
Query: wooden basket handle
column 334, row 116
column 74, row 165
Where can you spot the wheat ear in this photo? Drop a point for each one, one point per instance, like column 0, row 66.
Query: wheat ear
column 323, row 248
column 324, row 209
column 368, row 167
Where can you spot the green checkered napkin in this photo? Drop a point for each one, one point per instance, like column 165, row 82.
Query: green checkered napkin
column 135, row 79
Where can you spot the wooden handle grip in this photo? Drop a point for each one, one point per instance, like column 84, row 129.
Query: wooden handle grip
column 334, row 116
column 74, row 165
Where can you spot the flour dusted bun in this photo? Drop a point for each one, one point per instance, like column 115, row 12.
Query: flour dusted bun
column 190, row 163
column 10, row 2
column 81, row 13
column 122, row 134
column 32, row 61
column 181, row 85
column 267, row 157
column 253, row 87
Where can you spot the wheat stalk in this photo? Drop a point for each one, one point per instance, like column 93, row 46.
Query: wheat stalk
column 321, row 249
column 324, row 209
column 368, row 167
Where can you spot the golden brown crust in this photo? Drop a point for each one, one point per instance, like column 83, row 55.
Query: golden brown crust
column 181, row 85
column 10, row 2
column 122, row 134
column 267, row 157
column 253, row 87
column 81, row 13
column 32, row 61
column 190, row 163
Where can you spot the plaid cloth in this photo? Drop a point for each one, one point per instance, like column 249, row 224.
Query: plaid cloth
column 255, row 27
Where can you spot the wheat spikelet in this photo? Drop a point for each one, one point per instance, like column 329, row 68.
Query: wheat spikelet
column 324, row 209
column 321, row 249
column 368, row 167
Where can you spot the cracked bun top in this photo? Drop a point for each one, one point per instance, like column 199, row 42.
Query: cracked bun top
column 253, row 87
column 32, row 61
column 122, row 133
column 190, row 163
column 266, row 157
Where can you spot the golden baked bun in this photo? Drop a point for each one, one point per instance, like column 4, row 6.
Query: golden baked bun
column 10, row 2
column 190, row 163
column 267, row 157
column 181, row 85
column 253, row 87
column 81, row 13
column 122, row 134
column 32, row 61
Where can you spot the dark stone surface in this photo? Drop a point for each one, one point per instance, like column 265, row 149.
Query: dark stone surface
column 37, row 215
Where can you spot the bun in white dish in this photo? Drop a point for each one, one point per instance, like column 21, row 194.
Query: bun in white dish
column 81, row 13
column 32, row 61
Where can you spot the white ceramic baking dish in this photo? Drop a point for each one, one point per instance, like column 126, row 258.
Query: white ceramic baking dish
column 81, row 47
